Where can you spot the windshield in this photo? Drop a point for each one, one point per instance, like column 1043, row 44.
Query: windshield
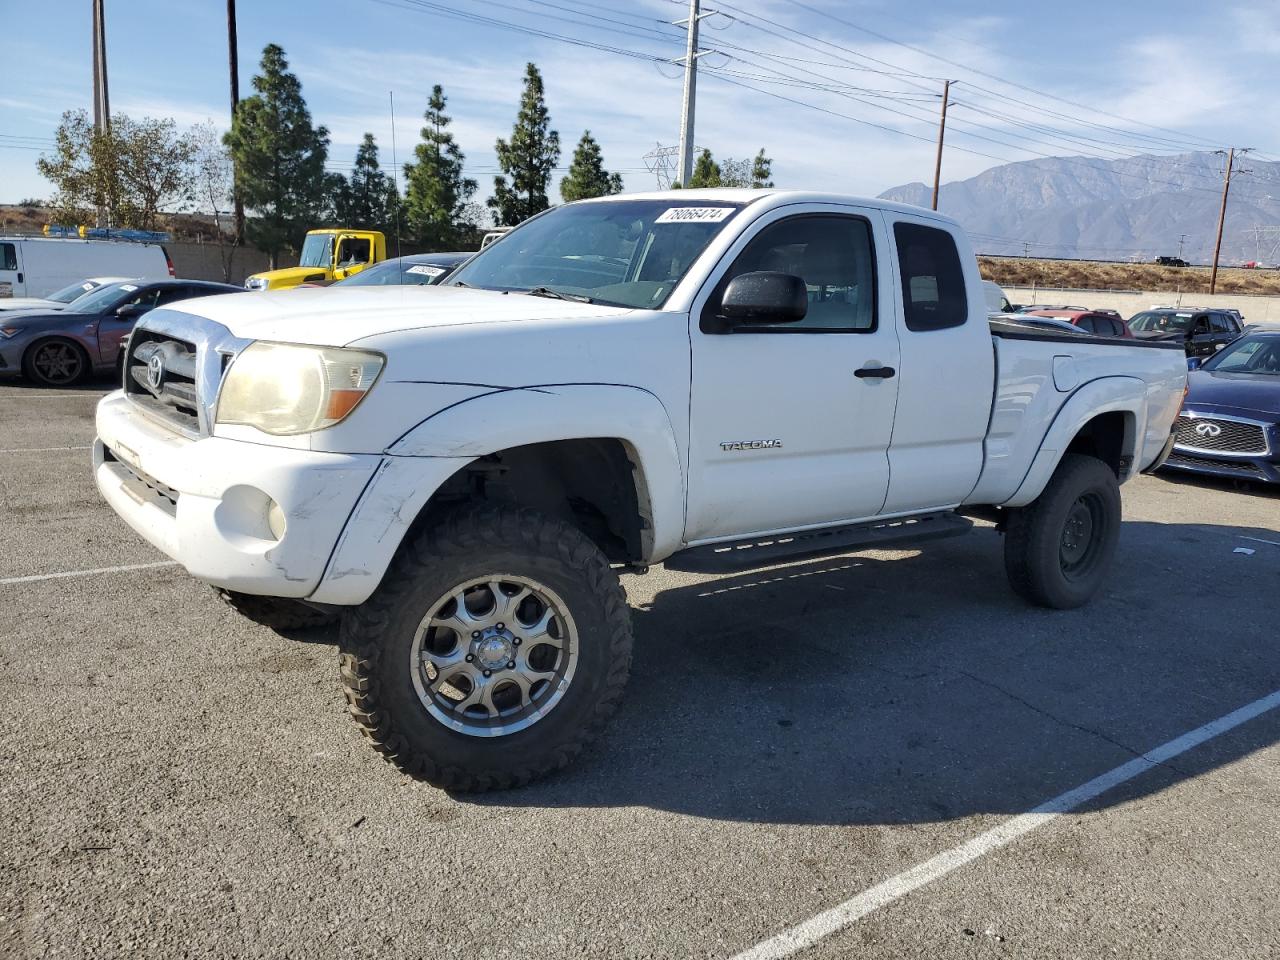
column 624, row 253
column 396, row 272
column 1260, row 355
column 317, row 251
column 1153, row 322
column 103, row 298
column 73, row 292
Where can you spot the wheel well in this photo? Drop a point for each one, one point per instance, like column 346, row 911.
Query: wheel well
column 1107, row 437
column 594, row 484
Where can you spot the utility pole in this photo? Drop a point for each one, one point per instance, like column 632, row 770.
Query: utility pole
column 942, row 132
column 1222, row 213
column 691, row 55
column 233, row 62
column 101, row 101
column 1181, row 240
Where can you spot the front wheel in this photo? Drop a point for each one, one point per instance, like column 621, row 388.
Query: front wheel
column 56, row 363
column 495, row 649
column 1058, row 549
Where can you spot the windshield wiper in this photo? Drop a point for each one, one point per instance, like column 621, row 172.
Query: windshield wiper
column 558, row 295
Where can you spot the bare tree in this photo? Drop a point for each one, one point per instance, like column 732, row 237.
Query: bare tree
column 214, row 184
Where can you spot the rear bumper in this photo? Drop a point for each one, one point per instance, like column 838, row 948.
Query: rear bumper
column 208, row 503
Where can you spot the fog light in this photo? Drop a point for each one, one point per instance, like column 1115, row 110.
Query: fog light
column 275, row 520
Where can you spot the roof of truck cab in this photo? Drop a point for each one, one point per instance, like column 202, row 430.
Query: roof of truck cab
column 768, row 198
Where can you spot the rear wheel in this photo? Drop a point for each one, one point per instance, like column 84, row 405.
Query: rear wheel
column 1058, row 549
column 495, row 649
column 56, row 363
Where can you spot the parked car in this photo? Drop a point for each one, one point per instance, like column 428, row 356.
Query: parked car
column 1104, row 323
column 61, row 347
column 1035, row 307
column 1172, row 262
column 617, row 382
column 39, row 266
column 420, row 269
column 1202, row 332
column 59, row 299
column 997, row 302
column 1230, row 420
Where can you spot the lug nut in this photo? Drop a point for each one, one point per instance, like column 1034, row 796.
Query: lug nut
column 500, row 626
column 470, row 658
column 516, row 641
column 475, row 634
column 488, row 673
column 511, row 664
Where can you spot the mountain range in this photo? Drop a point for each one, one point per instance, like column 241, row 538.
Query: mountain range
column 1136, row 208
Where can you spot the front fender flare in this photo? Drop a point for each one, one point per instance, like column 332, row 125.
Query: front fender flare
column 422, row 459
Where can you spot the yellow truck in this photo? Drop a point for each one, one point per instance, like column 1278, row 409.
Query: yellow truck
column 327, row 255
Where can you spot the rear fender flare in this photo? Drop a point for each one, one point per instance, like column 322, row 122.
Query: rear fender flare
column 1108, row 395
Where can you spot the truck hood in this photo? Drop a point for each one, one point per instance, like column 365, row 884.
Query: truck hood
column 1259, row 392
column 292, row 276
column 335, row 317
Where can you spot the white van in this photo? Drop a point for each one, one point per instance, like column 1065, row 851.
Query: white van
column 39, row 266
column 997, row 302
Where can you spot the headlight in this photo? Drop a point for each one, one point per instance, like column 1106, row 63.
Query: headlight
column 284, row 389
column 255, row 283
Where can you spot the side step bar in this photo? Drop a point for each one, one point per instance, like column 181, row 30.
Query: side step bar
column 767, row 551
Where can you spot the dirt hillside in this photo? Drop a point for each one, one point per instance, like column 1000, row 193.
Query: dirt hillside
column 1083, row 275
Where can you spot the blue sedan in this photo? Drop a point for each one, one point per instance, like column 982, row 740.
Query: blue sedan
column 1230, row 421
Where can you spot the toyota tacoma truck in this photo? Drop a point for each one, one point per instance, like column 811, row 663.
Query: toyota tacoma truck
column 715, row 380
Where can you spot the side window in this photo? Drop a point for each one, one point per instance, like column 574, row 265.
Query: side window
column 172, row 294
column 8, row 256
column 355, row 250
column 1200, row 324
column 147, row 298
column 933, row 292
column 1220, row 323
column 1087, row 325
column 1117, row 328
column 835, row 258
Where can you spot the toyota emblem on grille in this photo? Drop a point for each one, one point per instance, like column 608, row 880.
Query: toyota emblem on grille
column 155, row 371
column 1208, row 430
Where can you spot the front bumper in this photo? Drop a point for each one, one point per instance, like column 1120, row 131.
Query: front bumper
column 1259, row 469
column 207, row 503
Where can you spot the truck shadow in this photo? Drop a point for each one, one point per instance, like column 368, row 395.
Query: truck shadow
column 919, row 688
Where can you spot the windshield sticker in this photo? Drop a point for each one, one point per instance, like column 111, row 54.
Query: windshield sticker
column 426, row 269
column 129, row 287
column 694, row 214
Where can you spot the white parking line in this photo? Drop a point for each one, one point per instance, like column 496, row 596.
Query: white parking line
column 41, row 449
column 809, row 932
column 1274, row 543
column 49, row 396
column 86, row 573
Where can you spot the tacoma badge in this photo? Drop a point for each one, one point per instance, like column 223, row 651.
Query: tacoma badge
column 751, row 445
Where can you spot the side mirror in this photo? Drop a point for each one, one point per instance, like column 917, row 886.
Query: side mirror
column 130, row 311
column 765, row 297
column 1193, row 363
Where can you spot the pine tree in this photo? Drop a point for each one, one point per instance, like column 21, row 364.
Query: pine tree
column 706, row 172
column 279, row 158
column 368, row 199
column 587, row 176
column 437, row 195
column 528, row 159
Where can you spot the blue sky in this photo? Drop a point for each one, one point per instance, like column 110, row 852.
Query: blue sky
column 1203, row 73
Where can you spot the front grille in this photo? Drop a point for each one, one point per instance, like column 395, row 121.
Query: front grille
column 156, row 356
column 1223, row 436
column 1242, row 468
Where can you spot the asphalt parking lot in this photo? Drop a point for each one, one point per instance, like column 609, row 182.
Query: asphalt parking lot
column 181, row 782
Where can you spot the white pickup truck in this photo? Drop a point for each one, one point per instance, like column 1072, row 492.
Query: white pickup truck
column 714, row 380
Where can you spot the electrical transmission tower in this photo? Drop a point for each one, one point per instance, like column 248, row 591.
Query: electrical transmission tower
column 662, row 162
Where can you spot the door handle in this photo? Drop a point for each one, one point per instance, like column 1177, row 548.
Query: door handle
column 875, row 373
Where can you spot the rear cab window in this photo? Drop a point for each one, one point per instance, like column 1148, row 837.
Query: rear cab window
column 933, row 290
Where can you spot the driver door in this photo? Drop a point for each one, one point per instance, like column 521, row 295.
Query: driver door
column 113, row 328
column 790, row 422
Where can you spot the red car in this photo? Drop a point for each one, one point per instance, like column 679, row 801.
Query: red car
column 1105, row 323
